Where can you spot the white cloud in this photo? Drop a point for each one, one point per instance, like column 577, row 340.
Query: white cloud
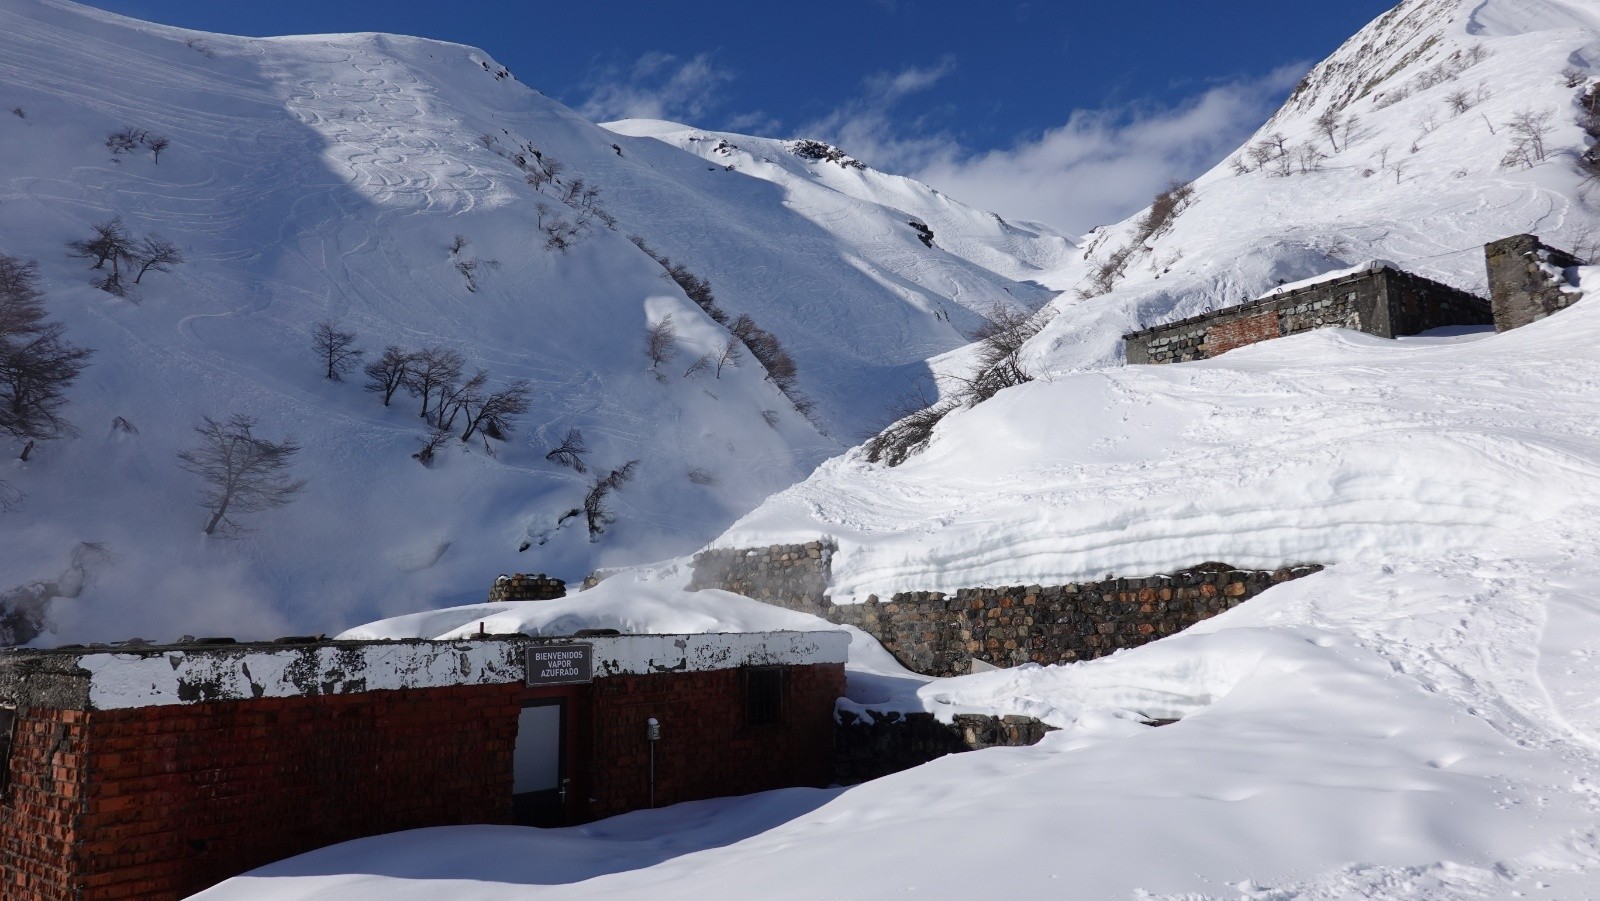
column 657, row 86
column 1099, row 166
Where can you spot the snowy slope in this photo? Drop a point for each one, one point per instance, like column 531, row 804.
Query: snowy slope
column 1327, row 447
column 324, row 177
column 1409, row 728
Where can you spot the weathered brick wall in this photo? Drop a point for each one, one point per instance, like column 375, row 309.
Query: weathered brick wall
column 184, row 796
column 884, row 743
column 706, row 750
column 1226, row 336
column 1525, row 281
column 941, row 635
column 789, row 575
column 42, row 807
column 1383, row 301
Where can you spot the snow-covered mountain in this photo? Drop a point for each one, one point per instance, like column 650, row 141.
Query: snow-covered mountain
column 326, row 178
column 1327, row 447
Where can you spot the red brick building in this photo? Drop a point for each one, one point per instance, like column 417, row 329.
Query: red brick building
column 155, row 772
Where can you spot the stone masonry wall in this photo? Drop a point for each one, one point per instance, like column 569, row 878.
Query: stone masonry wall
column 1526, row 282
column 523, row 587
column 789, row 575
column 1382, row 301
column 940, row 635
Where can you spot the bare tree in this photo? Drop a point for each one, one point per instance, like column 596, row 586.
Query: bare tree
column 242, row 473
column 157, row 143
column 701, row 364
column 660, row 343
column 155, row 252
column 594, row 502
column 1330, row 123
column 492, row 416
column 1529, row 130
column 386, row 374
column 110, row 243
column 570, row 451
column 456, row 397
column 728, row 355
column 458, row 243
column 1458, row 102
column 37, row 363
column 335, row 349
column 432, row 369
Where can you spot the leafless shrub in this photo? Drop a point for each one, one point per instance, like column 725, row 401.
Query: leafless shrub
column 660, row 343
column 727, row 355
column 1458, row 102
column 156, row 144
column 126, row 140
column 595, row 511
column 699, row 475
column 701, row 365
column 458, row 244
column 469, row 271
column 436, row 438
column 1529, row 130
column 1310, row 158
column 123, row 426
column 488, row 141
column 19, row 112
column 570, row 451
column 909, row 434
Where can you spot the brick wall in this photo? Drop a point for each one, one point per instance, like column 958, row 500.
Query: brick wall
column 706, row 750
column 1228, row 335
column 179, row 797
column 43, row 804
column 1526, row 281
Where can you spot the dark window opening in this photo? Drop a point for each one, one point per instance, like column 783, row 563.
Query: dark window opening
column 8, row 723
column 763, row 696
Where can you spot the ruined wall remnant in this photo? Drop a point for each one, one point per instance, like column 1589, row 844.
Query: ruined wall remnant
column 1379, row 300
column 941, row 635
column 520, row 587
column 1528, row 280
column 789, row 575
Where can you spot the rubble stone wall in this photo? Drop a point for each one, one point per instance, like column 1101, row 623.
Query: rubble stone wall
column 1527, row 280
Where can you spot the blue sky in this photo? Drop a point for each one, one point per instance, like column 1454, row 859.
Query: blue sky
column 1068, row 112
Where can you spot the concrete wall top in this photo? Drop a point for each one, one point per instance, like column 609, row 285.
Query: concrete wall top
column 122, row 678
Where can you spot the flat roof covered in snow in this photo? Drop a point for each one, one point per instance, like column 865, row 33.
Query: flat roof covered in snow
column 120, row 677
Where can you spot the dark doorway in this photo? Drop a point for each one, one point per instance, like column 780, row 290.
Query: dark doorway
column 540, row 780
